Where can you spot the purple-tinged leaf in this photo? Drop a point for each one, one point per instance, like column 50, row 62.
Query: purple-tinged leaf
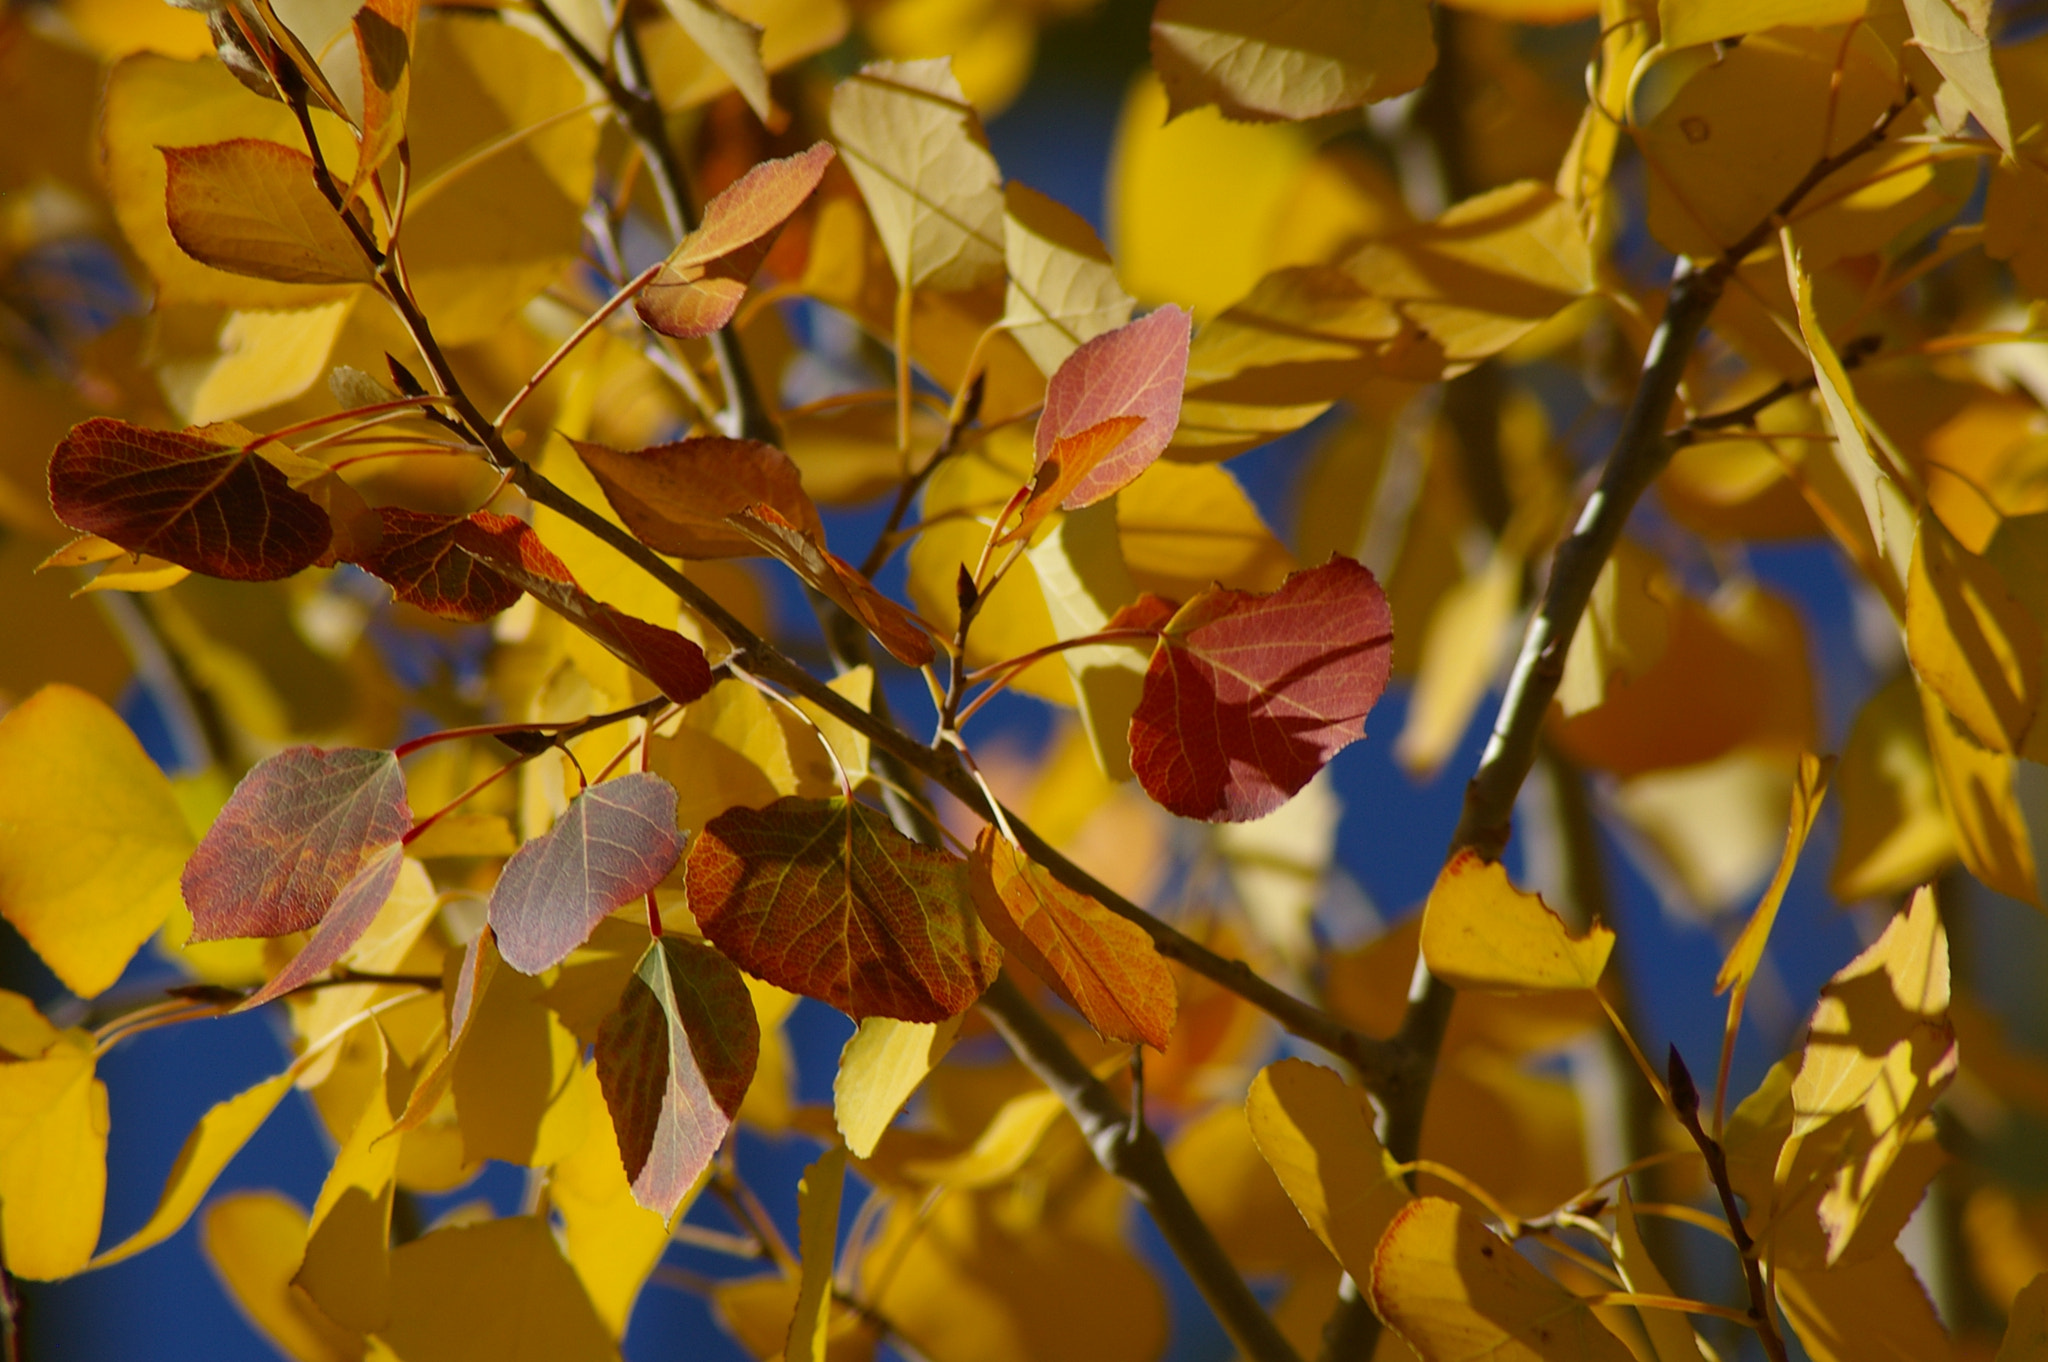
column 297, row 829
column 614, row 843
column 355, row 908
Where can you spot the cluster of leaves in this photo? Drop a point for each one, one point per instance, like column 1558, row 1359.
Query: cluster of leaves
column 562, row 925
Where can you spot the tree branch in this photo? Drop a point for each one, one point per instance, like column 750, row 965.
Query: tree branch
column 1685, row 1101
column 1133, row 1153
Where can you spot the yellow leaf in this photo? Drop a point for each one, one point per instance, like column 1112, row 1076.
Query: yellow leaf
column 1480, row 932
column 1986, row 463
column 347, row 1267
column 1453, row 1289
column 1233, row 1189
column 1686, row 22
column 220, row 1135
column 254, row 207
column 264, row 358
column 882, row 1065
column 254, row 1240
column 732, row 44
column 1971, row 637
column 1009, row 1140
column 1185, row 526
column 1062, row 289
column 24, row 1032
column 1872, row 1311
column 820, row 776
column 1316, row 1131
column 498, row 1290
column 1467, row 635
column 1192, row 203
column 611, row 1240
column 1278, row 866
column 1670, row 1333
column 817, row 1214
column 115, row 28
column 1747, row 954
column 514, row 1073
column 685, row 76
column 2026, row 1325
column 731, row 748
column 1961, row 51
column 1082, row 576
column 53, row 1159
column 771, row 1099
column 916, row 150
column 91, row 838
column 1293, row 61
column 1626, row 628
column 1979, row 789
column 992, row 44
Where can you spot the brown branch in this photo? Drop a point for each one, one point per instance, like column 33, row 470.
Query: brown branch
column 1685, row 1104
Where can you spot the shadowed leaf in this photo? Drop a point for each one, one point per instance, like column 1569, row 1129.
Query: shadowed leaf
column 210, row 507
column 1136, row 370
column 614, row 843
column 1289, row 61
column 805, row 553
column 675, row 497
column 1250, row 694
column 252, row 207
column 421, row 556
column 826, row 899
column 675, row 1060
column 706, row 277
column 1062, row 290
column 297, row 828
column 1105, row 966
column 384, row 34
column 1316, row 1132
column 351, row 914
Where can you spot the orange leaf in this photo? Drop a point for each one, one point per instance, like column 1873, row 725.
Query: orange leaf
column 805, row 553
column 675, row 497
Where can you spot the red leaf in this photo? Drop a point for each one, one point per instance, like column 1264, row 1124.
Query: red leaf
column 826, row 899
column 805, row 553
column 422, row 557
column 354, row 909
column 1072, row 461
column 210, row 507
column 705, row 279
column 675, row 497
column 1139, row 369
column 614, row 843
column 675, row 1061
column 1249, row 695
column 1105, row 966
column 1149, row 611
column 294, row 832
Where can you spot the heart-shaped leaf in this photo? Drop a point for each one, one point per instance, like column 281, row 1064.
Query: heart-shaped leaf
column 1249, row 694
column 824, row 898
column 214, row 508
column 295, row 831
column 614, row 843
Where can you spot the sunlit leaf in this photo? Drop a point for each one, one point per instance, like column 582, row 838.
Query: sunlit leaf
column 612, row 1240
column 253, row 1241
column 350, row 914
column 1292, row 61
column 824, row 898
column 675, row 1061
column 500, row 1289
column 675, row 497
column 422, row 558
column 91, row 837
column 1686, row 22
column 1894, row 833
column 252, row 207
column 210, row 507
column 383, row 31
column 1972, row 637
column 53, row 1159
column 817, row 1214
column 882, row 1065
column 1960, row 49
column 346, row 1270
column 513, row 1076
column 1136, row 370
column 1669, row 1332
column 1747, row 954
column 1878, row 1308
column 1316, row 1131
column 1102, row 964
column 615, row 842
column 732, row 44
column 701, row 285
column 1062, row 288
column 1248, row 696
column 1480, row 932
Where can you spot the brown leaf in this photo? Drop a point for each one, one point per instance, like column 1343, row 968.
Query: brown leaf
column 675, row 497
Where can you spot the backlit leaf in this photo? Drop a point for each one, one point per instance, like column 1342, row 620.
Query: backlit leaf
column 675, row 1061
column 1686, row 22
column 346, row 1271
column 1453, row 1289
column 253, row 1241
column 252, row 207
column 704, row 279
column 350, row 915
column 882, row 1064
column 1249, row 695
column 805, row 553
column 1480, row 932
column 421, row 557
column 825, row 898
column 297, row 828
column 916, row 150
column 1894, row 833
column 1961, row 50
column 210, row 507
column 1062, row 287
column 1875, row 1309
column 1136, row 370
column 514, row 1074
column 383, row 31
column 53, row 1159
column 1102, row 964
column 91, row 837
column 817, row 1214
column 1670, row 1333
column 1746, row 956
column 615, row 842
column 500, row 1289
column 1316, row 1131
column 675, row 497
column 1067, row 464
column 1970, row 634
column 1291, row 61
column 612, row 1240
column 732, row 44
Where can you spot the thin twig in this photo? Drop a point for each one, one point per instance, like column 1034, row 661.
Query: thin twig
column 1685, row 1104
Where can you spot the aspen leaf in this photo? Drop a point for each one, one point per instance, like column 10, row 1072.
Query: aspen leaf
column 498, row 1289
column 1005, row 1145
column 1104, row 966
column 252, row 207
column 1451, row 1288
column 704, row 279
column 1684, row 23
column 1872, row 1311
column 1894, row 833
column 1069, row 462
column 469, row 975
column 1670, row 1333
column 1960, row 49
column 1248, row 696
column 354, row 909
column 1625, row 630
column 1280, row 865
column 1979, row 791
column 824, row 898
column 611, row 1240
column 1062, row 289
column 91, row 837
column 253, row 1241
column 220, row 1135
column 615, row 843
column 186, row 499
column 513, row 1076
column 1085, row 585
column 383, row 31
column 733, row 747
column 1468, row 632
column 1136, row 370
column 916, row 150
column 732, row 44
column 675, row 1061
column 346, row 1270
column 675, row 497
column 1972, row 638
column 24, row 1032
column 1233, row 1189
column 2026, row 1327
column 422, row 558
column 1747, row 954
column 296, row 830
column 882, row 1065
column 805, row 553
column 1293, row 61
column 53, row 1159
column 1480, row 932
column 817, row 1218
column 1316, row 1131
column 1184, row 527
